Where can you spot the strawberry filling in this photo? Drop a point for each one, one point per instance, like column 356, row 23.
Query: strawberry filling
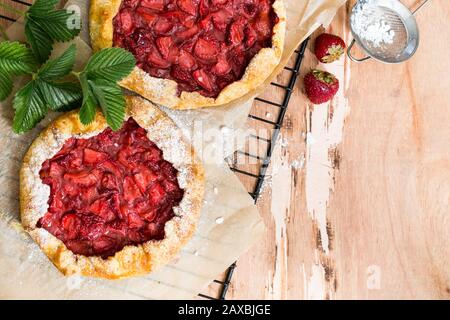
column 203, row 45
column 109, row 191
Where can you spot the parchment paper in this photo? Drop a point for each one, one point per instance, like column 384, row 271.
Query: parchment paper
column 25, row 272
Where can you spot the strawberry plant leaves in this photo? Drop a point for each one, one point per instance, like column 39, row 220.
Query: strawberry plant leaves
column 29, row 106
column 16, row 58
column 89, row 105
column 111, row 101
column 59, row 67
column 6, row 86
column 44, row 25
column 112, row 64
column 59, row 95
column 40, row 43
column 42, row 6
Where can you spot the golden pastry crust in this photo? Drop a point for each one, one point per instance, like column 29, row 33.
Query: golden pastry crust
column 131, row 260
column 164, row 91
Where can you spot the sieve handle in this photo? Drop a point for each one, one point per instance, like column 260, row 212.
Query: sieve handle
column 349, row 53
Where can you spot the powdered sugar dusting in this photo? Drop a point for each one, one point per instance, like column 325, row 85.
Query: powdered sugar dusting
column 369, row 26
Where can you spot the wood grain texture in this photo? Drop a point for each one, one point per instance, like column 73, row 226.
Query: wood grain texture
column 387, row 215
column 357, row 204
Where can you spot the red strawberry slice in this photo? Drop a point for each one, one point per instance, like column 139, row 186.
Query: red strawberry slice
column 263, row 25
column 170, row 186
column 188, row 6
column 103, row 244
column 92, row 156
column 156, row 60
column 203, row 79
column 55, row 170
column 164, row 44
column 218, row 2
column 70, row 189
column 180, row 74
column 144, row 178
column 130, row 189
column 82, row 178
column 148, row 16
column 203, row 8
column 236, row 35
column 109, row 181
column 157, row 193
column 135, row 221
column 205, row 49
column 153, row 4
column 250, row 36
column 186, row 61
column 126, row 21
column 221, row 19
column 222, row 66
column 188, row 33
column 162, row 26
column 71, row 225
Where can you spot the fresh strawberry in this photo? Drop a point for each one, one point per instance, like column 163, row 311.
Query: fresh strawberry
column 328, row 47
column 153, row 4
column 320, row 86
column 92, row 156
column 188, row 6
column 203, row 79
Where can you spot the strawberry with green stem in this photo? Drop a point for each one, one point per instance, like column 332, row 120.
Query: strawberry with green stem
column 320, row 86
column 329, row 48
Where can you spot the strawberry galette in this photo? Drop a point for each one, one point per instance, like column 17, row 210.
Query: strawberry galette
column 111, row 204
column 193, row 53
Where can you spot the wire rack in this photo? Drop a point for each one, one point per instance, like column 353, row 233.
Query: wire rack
column 261, row 105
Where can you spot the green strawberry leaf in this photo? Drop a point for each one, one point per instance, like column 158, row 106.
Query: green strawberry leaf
column 112, row 64
column 42, row 6
column 6, row 85
column 30, row 107
column 59, row 95
column 111, row 101
column 40, row 42
column 89, row 104
column 44, row 25
column 59, row 67
column 16, row 58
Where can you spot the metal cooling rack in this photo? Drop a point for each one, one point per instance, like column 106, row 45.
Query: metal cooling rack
column 259, row 177
column 264, row 161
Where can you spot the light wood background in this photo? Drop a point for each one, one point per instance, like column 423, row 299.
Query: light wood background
column 358, row 202
column 372, row 182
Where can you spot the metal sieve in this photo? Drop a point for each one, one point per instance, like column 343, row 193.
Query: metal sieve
column 385, row 29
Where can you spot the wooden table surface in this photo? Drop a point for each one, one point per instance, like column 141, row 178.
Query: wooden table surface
column 357, row 205
column 360, row 201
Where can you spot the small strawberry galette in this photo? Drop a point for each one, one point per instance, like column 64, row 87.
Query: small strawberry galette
column 111, row 204
column 193, row 53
